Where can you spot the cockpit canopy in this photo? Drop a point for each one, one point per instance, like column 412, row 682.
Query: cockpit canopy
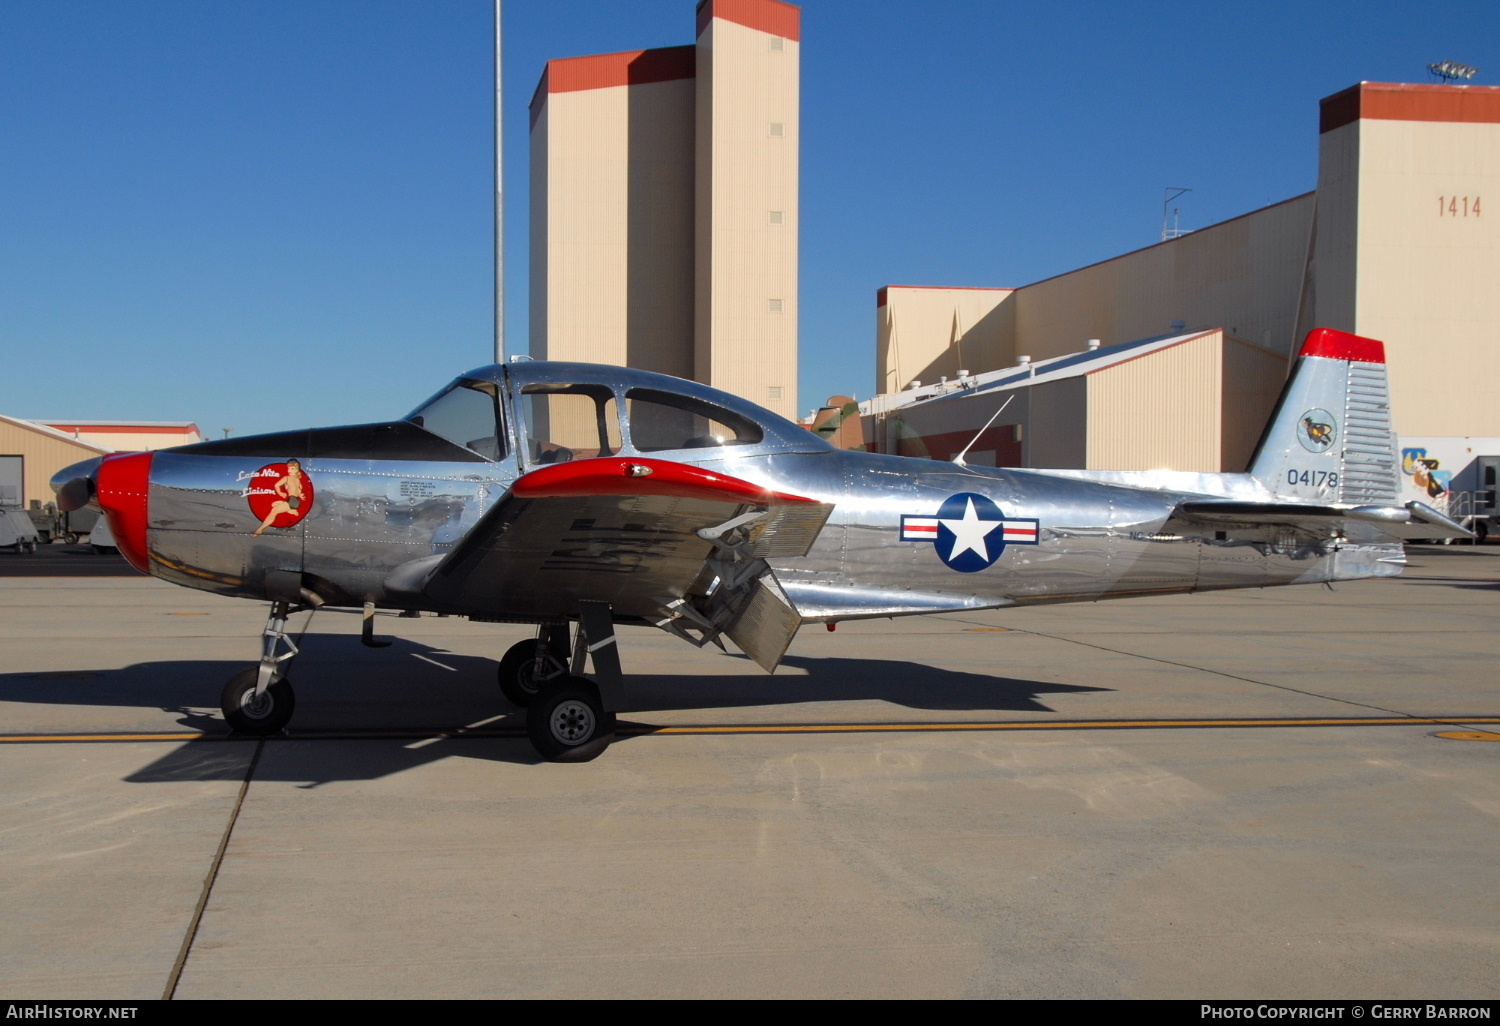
column 554, row 412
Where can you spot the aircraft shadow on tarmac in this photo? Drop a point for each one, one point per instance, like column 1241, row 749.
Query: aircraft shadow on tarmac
column 412, row 688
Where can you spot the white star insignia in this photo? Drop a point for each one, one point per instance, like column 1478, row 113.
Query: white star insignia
column 969, row 534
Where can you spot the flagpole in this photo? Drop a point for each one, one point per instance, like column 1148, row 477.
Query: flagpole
column 499, row 202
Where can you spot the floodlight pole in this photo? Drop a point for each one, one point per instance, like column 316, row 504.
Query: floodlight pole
column 499, row 201
column 1448, row 71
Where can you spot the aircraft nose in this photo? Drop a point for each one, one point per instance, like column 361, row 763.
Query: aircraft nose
column 74, row 486
column 123, row 489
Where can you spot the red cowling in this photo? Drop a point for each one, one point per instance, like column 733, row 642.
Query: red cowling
column 1340, row 345
column 124, row 485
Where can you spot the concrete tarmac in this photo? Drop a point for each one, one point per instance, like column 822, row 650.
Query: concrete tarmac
column 1232, row 795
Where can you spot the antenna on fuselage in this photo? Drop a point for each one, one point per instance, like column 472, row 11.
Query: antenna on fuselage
column 959, row 459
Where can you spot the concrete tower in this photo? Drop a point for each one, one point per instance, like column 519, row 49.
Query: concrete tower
column 664, row 205
column 612, row 210
column 747, row 217
column 1407, row 249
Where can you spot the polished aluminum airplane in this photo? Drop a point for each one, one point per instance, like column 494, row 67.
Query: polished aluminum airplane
column 577, row 497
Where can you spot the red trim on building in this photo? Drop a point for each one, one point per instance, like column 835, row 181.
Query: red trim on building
column 1394, row 101
column 1340, row 345
column 631, row 67
column 606, row 70
column 769, row 16
column 124, row 486
column 124, row 429
column 613, row 476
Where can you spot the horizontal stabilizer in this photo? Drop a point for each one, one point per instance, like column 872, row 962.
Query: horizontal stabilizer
column 1414, row 520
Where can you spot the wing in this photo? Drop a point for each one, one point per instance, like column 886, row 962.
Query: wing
column 1360, row 523
column 661, row 542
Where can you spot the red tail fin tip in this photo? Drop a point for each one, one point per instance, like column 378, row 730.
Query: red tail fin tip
column 1340, row 345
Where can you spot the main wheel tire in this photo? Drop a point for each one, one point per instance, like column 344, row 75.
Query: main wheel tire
column 256, row 715
column 1481, row 532
column 518, row 680
column 567, row 721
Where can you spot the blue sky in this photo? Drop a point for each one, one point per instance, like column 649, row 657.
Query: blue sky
column 262, row 215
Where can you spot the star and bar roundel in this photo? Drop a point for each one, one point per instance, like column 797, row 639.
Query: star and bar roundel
column 969, row 532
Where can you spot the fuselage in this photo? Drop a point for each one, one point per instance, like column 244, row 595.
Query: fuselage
column 355, row 514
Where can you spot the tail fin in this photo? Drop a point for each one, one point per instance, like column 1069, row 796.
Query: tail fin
column 1330, row 438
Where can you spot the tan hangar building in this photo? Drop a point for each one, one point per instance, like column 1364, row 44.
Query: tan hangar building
column 1398, row 242
column 31, row 451
column 664, row 212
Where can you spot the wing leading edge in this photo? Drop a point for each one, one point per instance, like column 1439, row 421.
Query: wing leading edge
column 666, row 543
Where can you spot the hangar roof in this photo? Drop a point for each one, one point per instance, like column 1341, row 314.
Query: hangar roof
column 43, row 429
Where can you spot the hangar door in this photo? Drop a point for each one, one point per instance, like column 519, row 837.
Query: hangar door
column 11, row 481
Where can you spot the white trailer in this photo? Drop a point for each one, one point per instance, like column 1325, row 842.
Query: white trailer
column 1455, row 474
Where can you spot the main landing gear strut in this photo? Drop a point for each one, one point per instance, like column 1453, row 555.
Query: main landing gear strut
column 569, row 717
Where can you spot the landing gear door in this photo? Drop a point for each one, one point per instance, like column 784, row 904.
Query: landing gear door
column 764, row 623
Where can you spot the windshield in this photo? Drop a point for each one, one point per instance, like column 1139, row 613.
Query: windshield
column 467, row 414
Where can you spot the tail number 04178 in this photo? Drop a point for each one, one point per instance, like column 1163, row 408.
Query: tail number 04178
column 1314, row 478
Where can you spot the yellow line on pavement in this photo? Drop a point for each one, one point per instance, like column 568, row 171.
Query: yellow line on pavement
column 639, row 729
column 853, row 728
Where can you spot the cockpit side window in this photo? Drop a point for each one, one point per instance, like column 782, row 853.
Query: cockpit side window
column 467, row 414
column 665, row 420
column 569, row 422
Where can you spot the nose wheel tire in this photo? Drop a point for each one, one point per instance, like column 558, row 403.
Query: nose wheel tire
column 567, row 722
column 256, row 715
column 518, row 680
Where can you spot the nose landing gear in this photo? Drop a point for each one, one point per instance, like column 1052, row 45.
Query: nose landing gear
column 257, row 714
column 258, row 700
